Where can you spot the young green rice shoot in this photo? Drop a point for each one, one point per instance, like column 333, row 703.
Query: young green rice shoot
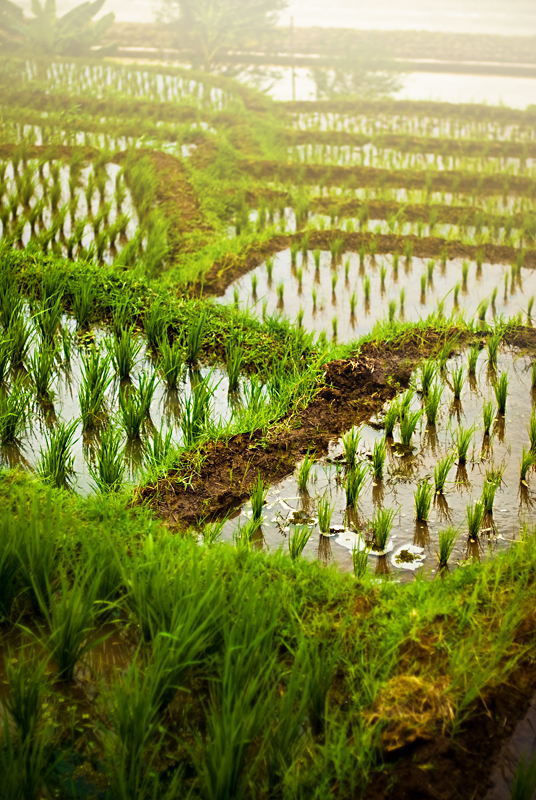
column 474, row 517
column 56, row 463
column 355, row 483
column 195, row 338
column 124, row 351
column 257, row 497
column 280, row 289
column 457, row 376
column 532, row 431
column 304, row 471
column 109, row 470
column 382, row 525
column 298, row 537
column 366, row 288
column 501, row 392
column 423, row 285
column 433, row 403
column 447, row 542
column 325, row 512
column 171, row 362
column 360, row 561
column 441, row 472
column 463, row 441
column 489, row 490
column 493, row 349
column 390, row 419
column 528, row 459
column 378, row 458
column 423, row 501
column 350, row 443
column 465, row 272
column 408, row 423
column 472, row 359
column 132, row 412
column 488, row 413
column 402, row 299
column 428, row 374
column 392, row 310
column 353, row 304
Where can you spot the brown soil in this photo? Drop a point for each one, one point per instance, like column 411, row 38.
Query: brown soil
column 444, row 180
column 352, row 391
column 224, row 272
column 416, row 144
column 439, row 769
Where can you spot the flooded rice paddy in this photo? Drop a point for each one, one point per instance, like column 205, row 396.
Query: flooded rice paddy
column 324, row 296
column 406, row 468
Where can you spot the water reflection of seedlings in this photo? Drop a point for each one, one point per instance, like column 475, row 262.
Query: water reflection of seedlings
column 421, row 534
column 526, row 498
column 499, row 427
column 461, row 480
column 383, row 569
column 323, row 552
column 442, row 508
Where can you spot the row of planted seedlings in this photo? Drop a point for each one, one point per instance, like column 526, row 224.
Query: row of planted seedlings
column 393, row 159
column 418, row 124
column 113, row 404
column 103, row 211
column 444, row 473
column 309, row 287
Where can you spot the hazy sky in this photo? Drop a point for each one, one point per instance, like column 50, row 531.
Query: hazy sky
column 517, row 17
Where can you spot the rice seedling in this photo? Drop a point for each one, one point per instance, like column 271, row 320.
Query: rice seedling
column 489, row 491
column 171, row 362
column 109, row 470
column 408, row 250
column 432, row 404
column 423, row 285
column 408, row 423
column 304, row 471
column 347, row 269
column 49, row 318
column 355, row 483
column 255, row 282
column 474, row 516
column 316, row 258
column 501, row 392
column 294, row 250
column 430, row 271
column 392, row 310
column 234, row 359
column 472, row 359
column 456, row 293
column 158, row 449
column 20, row 335
column 155, row 324
column 402, row 299
column 428, row 374
column 236, row 297
column 334, row 279
column 325, row 511
column 366, row 288
column 528, row 459
column 196, row 412
column 382, row 525
column 14, row 408
column 315, row 297
column 441, row 472
column 493, row 349
column 465, row 273
column 56, row 462
column 524, row 782
column 506, row 285
column 257, row 498
column 353, row 304
column 124, row 351
column 530, row 307
column 360, row 561
column 494, row 294
column 269, row 268
column 95, row 380
column 350, row 443
column 383, row 275
column 533, row 374
column 299, row 275
column 463, row 441
column 457, row 377
column 396, row 262
column 405, row 402
column 390, row 418
column 447, row 543
column 83, row 300
column 41, row 369
column 27, row 685
column 5, row 359
column 195, row 338
column 334, row 326
column 488, row 414
column 280, row 290
column 483, row 310
column 297, row 540
column 132, row 412
column 423, row 501
column 378, row 458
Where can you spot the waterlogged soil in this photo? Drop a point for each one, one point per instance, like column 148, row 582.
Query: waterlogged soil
column 336, row 304
column 406, row 468
column 165, row 413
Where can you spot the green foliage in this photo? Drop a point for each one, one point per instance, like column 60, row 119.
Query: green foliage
column 74, row 34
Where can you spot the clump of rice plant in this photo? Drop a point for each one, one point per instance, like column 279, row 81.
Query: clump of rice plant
column 378, row 458
column 49, row 318
column 146, row 388
column 159, row 447
column 316, row 258
column 124, row 350
column 257, row 497
column 390, row 419
column 382, row 525
column 360, row 561
column 171, row 362
column 447, row 543
column 234, row 358
column 532, row 431
column 493, row 349
column 280, row 289
column 441, row 472
column 488, row 413
column 315, row 297
column 109, row 470
column 299, row 275
column 423, row 501
column 155, row 324
column 430, row 271
column 428, row 374
column 334, row 326
column 489, row 490
column 533, row 374
column 353, row 304
column 304, row 471
column 528, row 459
column 456, row 294
column 94, row 383
column 501, row 392
column 350, row 443
column 196, row 412
column 14, row 411
column 325, row 513
column 195, row 338
column 20, row 335
column 423, row 285
column 41, row 369
column 463, row 442
column 355, row 482
column 408, row 423
column 383, row 275
column 392, row 310
column 483, row 310
column 56, row 463
column 465, row 272
column 269, row 268
column 298, row 539
column 334, row 280
column 132, row 412
column 472, row 359
column 366, row 288
column 530, row 307
column 457, row 376
column 474, row 516
column 254, row 283
column 432, row 404
column 83, row 300
column 494, row 294
column 402, row 299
